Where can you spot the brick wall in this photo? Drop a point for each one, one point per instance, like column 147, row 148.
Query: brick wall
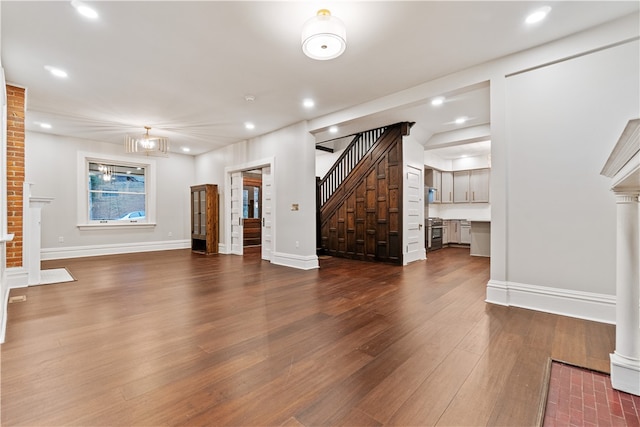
column 15, row 172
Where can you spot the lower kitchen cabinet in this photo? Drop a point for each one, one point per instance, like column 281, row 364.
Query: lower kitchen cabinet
column 445, row 232
column 465, row 232
column 454, row 231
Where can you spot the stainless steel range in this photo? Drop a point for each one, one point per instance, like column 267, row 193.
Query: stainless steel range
column 434, row 226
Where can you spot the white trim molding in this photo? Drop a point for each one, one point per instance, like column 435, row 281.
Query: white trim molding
column 625, row 373
column 17, row 277
column 565, row 302
column 113, row 249
column 295, row 261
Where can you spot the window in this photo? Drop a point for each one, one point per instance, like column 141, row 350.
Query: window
column 115, row 192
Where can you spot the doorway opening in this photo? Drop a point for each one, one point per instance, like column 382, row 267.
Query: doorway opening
column 252, row 208
column 250, row 205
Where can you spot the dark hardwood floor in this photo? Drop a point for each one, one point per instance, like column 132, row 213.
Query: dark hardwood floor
column 175, row 338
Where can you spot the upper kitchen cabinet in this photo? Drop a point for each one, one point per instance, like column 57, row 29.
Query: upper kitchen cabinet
column 446, row 180
column 461, row 187
column 432, row 180
column 479, row 185
column 471, row 186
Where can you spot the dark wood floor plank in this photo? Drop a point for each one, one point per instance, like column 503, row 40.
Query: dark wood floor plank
column 487, row 379
column 175, row 338
column 427, row 404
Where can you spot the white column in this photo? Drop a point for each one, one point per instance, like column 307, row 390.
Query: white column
column 625, row 361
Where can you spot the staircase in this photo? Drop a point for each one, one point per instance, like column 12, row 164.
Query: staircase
column 350, row 157
column 360, row 198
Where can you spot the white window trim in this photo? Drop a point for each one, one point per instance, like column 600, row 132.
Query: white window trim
column 83, row 191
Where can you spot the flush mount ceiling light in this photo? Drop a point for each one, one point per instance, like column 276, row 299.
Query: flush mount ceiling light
column 147, row 144
column 324, row 36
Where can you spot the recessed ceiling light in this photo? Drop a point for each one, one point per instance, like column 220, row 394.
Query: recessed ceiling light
column 538, row 15
column 84, row 10
column 437, row 101
column 249, row 125
column 45, row 125
column 461, row 120
column 56, row 71
column 308, row 103
column 186, row 149
column 333, row 129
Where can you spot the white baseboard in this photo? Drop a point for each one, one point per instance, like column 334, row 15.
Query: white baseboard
column 565, row 302
column 625, row 374
column 113, row 249
column 17, row 277
column 295, row 261
column 5, row 301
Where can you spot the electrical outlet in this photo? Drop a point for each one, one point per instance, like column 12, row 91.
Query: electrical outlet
column 297, row 244
column 61, row 239
column 170, row 234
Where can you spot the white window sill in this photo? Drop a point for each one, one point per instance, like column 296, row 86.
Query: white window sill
column 116, row 225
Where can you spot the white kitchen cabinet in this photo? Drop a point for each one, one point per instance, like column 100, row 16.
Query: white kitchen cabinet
column 446, row 182
column 479, row 185
column 454, row 231
column 461, row 187
column 465, row 232
column 445, row 232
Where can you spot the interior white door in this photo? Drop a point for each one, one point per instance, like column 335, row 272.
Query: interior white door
column 236, row 213
column 414, row 217
column 267, row 213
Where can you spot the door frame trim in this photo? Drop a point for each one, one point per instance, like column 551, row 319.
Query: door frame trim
column 244, row 167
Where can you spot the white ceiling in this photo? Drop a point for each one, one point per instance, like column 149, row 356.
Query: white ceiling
column 184, row 68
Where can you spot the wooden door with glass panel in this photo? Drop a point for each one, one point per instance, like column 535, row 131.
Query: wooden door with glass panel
column 251, row 209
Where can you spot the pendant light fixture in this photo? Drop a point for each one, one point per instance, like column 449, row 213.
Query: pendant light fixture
column 147, row 144
column 324, row 36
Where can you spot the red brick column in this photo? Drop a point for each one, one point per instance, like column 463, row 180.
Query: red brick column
column 15, row 172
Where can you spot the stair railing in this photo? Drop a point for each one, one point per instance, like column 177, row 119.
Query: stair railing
column 350, row 157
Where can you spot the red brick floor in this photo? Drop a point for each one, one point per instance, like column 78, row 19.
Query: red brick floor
column 580, row 397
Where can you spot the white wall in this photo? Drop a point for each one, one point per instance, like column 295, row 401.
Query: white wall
column 51, row 166
column 324, row 161
column 437, row 162
column 471, row 162
column 293, row 151
column 562, row 122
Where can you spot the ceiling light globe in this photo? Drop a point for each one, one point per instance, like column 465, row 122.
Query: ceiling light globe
column 324, row 36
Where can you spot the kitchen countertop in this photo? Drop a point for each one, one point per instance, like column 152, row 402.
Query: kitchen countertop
column 468, row 219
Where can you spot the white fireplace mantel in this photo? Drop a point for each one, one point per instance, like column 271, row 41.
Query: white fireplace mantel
column 623, row 167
